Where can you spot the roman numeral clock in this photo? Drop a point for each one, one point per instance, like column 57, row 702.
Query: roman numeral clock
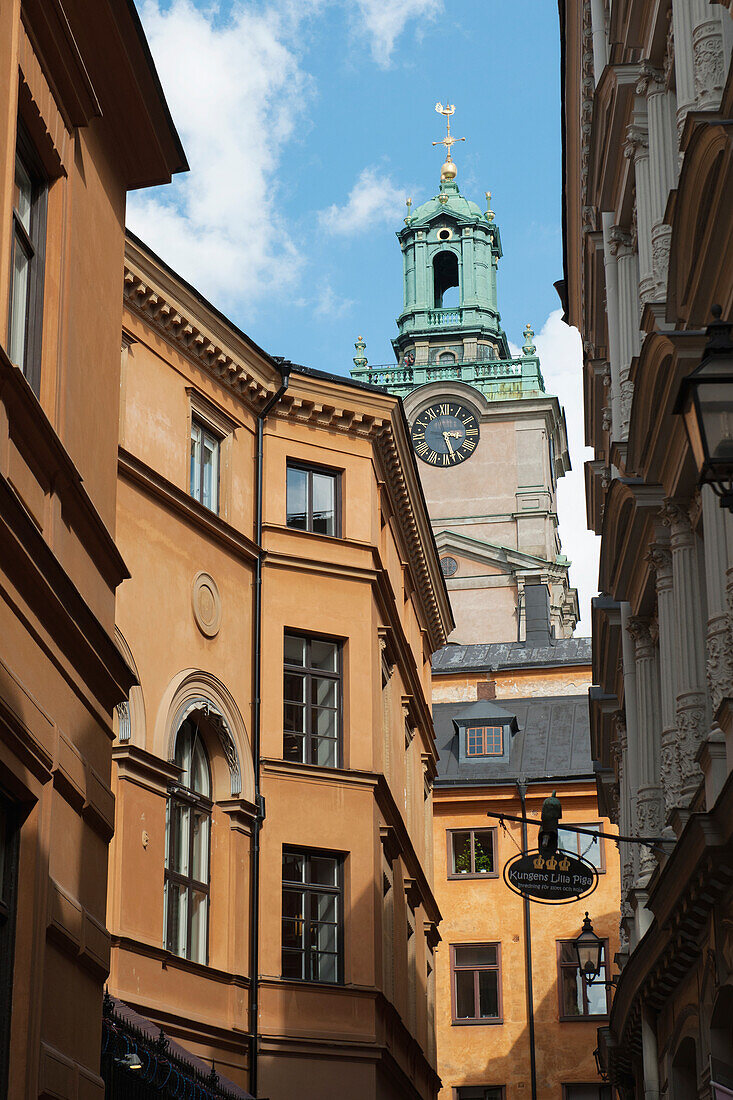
column 445, row 434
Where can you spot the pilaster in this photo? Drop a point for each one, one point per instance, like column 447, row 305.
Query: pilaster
column 684, row 773
column 636, row 149
column 661, row 559
column 708, row 55
column 663, row 165
column 627, row 264
column 719, row 664
column 684, row 65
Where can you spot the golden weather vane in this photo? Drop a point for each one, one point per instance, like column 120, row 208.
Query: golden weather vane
column 448, row 140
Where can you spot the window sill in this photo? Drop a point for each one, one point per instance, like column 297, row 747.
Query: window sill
column 591, row 1018
column 492, row 1022
column 478, row 875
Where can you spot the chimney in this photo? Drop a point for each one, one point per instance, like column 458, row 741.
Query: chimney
column 486, row 689
column 537, row 615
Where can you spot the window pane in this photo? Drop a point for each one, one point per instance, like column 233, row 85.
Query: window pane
column 488, row 993
column 294, row 650
column 568, row 953
column 200, row 868
column 572, row 994
column 195, row 460
column 475, row 741
column 324, row 504
column 483, row 852
column 324, row 722
column 293, row 718
column 210, row 495
column 461, row 854
column 297, row 508
column 596, row 995
column 476, row 956
column 323, row 692
column 323, row 655
column 294, row 687
column 293, row 865
column 465, row 1008
column 294, row 747
column 324, row 967
column 177, row 908
column 590, row 849
column 323, row 937
column 199, row 780
column 293, row 905
column 293, row 932
column 292, row 964
column 18, row 304
column 22, row 195
column 322, row 871
column 323, row 752
column 178, row 837
column 568, row 841
column 322, row 907
column 493, row 740
column 199, row 921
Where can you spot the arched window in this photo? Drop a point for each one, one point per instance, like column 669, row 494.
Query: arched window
column 445, row 276
column 188, row 829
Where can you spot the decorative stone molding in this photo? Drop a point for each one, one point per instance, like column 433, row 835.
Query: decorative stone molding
column 206, row 603
column 651, row 80
column 707, row 49
column 719, row 664
column 661, row 240
column 124, row 726
column 620, row 241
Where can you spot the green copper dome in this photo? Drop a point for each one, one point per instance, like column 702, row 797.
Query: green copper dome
column 448, row 201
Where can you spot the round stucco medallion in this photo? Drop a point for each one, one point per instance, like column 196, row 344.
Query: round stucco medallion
column 206, row 604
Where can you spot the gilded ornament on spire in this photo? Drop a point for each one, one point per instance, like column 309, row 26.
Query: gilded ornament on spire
column 360, row 359
column 448, row 170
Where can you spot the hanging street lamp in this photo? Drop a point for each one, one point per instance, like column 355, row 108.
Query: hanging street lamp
column 589, row 952
column 705, row 401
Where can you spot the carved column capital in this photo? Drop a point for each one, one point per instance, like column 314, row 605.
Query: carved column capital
column 637, row 143
column 675, row 515
column 651, row 80
column 638, row 628
column 620, row 241
column 659, row 557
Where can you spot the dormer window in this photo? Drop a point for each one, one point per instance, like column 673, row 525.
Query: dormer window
column 484, row 741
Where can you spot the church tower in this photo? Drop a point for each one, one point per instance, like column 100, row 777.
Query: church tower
column 491, row 442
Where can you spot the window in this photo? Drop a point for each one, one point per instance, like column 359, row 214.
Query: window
column 312, row 701
column 476, row 984
column 312, row 500
column 204, row 465
column 484, row 741
column 9, row 841
column 187, row 849
column 480, row 1092
column 580, row 844
column 312, row 921
column 471, row 853
column 27, row 259
column 577, row 998
column 586, row 1092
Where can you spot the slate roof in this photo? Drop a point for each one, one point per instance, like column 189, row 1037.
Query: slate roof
column 492, row 656
column 553, row 741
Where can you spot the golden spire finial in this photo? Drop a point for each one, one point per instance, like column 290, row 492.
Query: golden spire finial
column 408, row 204
column 449, row 170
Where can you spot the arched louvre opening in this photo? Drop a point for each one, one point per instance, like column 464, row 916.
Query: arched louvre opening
column 188, row 831
column 445, row 277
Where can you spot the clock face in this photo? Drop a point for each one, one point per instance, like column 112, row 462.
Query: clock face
column 445, row 434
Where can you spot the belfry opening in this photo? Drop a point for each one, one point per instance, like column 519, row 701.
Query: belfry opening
column 445, row 277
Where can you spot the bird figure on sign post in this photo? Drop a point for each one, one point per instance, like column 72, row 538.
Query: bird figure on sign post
column 551, row 814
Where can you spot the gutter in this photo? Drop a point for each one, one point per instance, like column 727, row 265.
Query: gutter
column 254, row 970
column 522, row 792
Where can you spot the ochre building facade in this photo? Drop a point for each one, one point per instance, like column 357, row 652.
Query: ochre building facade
column 82, row 121
column 274, row 764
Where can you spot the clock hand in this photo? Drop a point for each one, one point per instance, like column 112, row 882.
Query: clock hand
column 446, row 437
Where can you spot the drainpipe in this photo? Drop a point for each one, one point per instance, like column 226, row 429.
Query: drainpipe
column 522, row 791
column 254, row 968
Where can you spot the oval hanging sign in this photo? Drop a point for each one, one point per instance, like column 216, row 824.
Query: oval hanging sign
column 553, row 880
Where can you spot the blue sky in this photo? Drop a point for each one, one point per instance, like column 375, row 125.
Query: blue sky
column 308, row 122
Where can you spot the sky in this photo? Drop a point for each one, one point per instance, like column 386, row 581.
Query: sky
column 307, row 123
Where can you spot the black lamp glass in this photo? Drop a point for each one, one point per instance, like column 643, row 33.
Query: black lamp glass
column 589, row 951
column 705, row 401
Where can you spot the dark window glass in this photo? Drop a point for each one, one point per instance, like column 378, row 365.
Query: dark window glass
column 9, row 843
column 471, row 852
column 476, row 983
column 480, row 1092
column 312, row 500
column 187, row 849
column 311, row 701
column 577, row 998
column 580, row 844
column 204, row 465
column 587, row 1092
column 311, row 917
column 27, row 261
column 484, row 741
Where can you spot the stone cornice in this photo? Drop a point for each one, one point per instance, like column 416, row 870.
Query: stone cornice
column 156, row 295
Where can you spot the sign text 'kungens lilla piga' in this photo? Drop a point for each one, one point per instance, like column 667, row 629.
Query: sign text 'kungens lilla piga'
column 554, row 880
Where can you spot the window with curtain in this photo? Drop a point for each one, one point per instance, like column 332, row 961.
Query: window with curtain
column 312, row 920
column 312, row 700
column 577, row 998
column 27, row 261
column 188, row 831
column 205, row 447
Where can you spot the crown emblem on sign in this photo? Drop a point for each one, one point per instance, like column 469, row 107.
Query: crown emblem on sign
column 539, row 863
column 564, row 864
column 551, row 863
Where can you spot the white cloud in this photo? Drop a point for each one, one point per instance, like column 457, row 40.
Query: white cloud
column 236, row 89
column 385, row 20
column 560, row 351
column 328, row 304
column 373, row 200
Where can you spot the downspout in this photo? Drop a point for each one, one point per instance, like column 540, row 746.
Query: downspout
column 254, row 968
column 522, row 791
